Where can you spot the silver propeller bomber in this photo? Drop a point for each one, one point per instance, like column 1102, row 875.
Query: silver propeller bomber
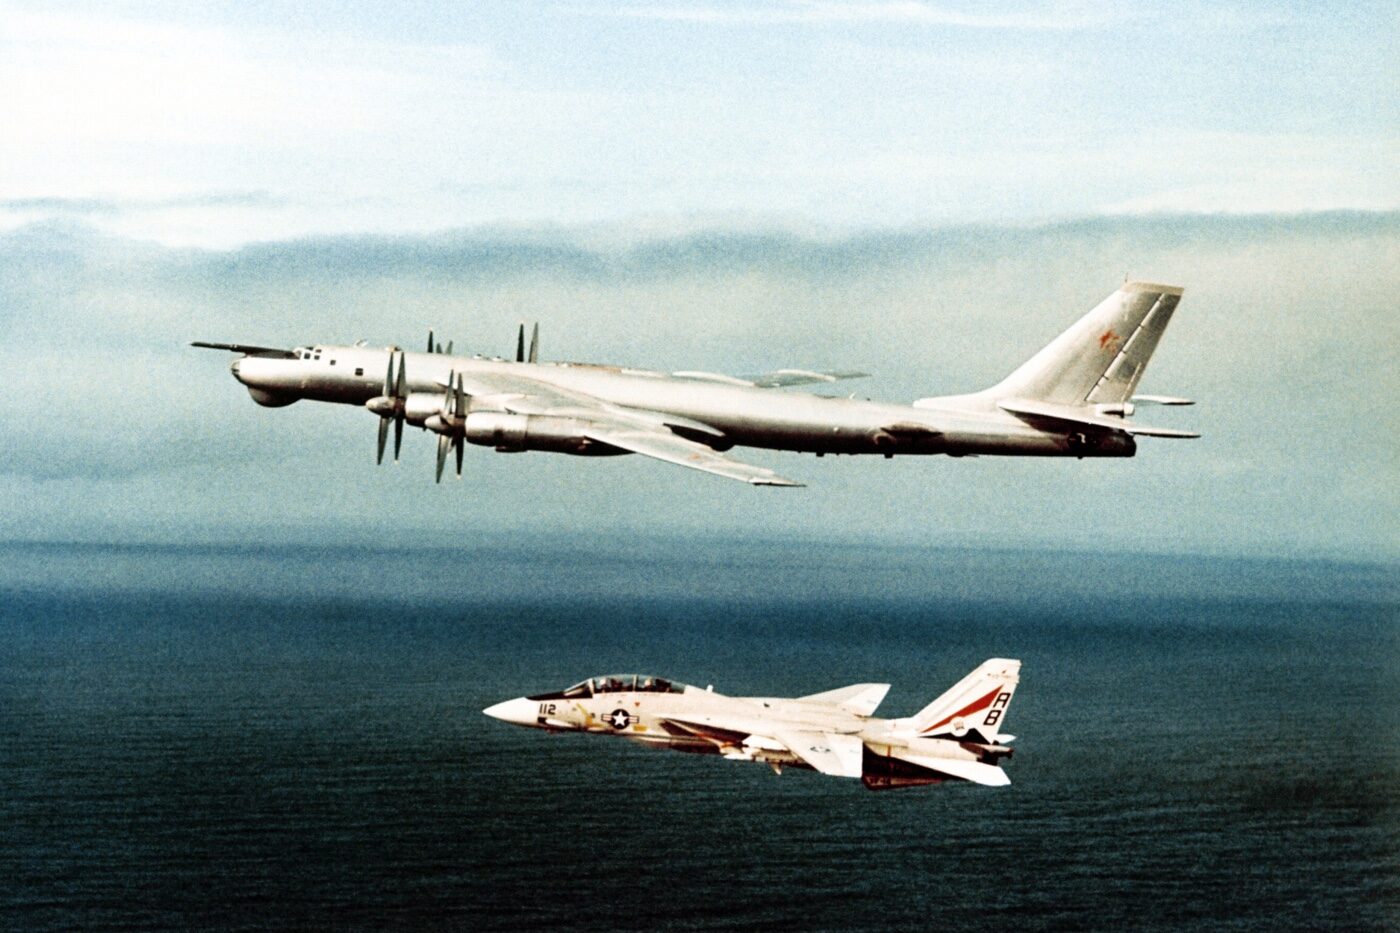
column 1074, row 398
column 956, row 737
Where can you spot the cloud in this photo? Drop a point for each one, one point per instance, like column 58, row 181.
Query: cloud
column 1054, row 16
column 78, row 206
column 157, row 130
column 119, row 429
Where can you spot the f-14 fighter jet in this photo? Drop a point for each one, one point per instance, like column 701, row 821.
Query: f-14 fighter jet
column 956, row 737
column 1072, row 399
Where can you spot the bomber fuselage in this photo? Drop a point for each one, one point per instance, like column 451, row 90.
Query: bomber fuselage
column 746, row 416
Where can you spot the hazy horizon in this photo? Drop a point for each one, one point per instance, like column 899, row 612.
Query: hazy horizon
column 124, row 432
column 926, row 191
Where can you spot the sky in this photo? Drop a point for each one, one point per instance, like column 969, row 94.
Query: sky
column 925, row 191
column 218, row 123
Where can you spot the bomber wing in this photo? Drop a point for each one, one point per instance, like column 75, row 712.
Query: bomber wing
column 662, row 444
column 639, row 431
column 777, row 379
column 246, row 349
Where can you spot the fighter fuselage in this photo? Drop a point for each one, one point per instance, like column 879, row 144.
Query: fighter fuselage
column 827, row 732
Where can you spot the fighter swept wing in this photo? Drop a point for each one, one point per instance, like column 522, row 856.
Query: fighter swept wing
column 636, row 430
column 777, row 379
column 1083, row 415
column 833, row 753
column 861, row 699
column 828, row 752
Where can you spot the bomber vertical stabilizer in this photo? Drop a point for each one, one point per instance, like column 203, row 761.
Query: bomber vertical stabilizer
column 1101, row 357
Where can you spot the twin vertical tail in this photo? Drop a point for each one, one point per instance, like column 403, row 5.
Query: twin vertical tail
column 974, row 709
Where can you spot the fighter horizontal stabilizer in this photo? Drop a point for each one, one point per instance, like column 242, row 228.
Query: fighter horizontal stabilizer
column 828, row 752
column 777, row 379
column 1083, row 416
column 861, row 699
column 974, row 771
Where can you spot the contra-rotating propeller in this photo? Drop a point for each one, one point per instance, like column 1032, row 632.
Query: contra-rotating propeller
column 450, row 423
column 437, row 347
column 389, row 405
column 534, row 356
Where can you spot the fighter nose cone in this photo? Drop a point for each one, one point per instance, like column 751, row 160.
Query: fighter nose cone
column 520, row 711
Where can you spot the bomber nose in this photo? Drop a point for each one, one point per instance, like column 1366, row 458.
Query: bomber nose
column 520, row 711
column 234, row 367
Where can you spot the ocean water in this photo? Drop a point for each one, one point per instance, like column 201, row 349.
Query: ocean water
column 262, row 737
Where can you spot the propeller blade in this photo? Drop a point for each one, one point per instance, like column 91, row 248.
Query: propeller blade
column 430, row 340
column 383, row 436
column 398, row 432
column 389, row 377
column 520, row 344
column 457, row 443
column 449, row 348
column 460, row 400
column 447, row 407
column 535, row 343
column 443, row 442
column 403, row 376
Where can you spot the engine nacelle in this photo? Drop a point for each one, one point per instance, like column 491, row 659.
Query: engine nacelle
column 883, row 772
column 509, row 432
column 418, row 407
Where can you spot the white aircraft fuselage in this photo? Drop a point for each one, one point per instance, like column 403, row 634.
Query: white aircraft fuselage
column 746, row 416
column 957, row 736
column 1072, row 399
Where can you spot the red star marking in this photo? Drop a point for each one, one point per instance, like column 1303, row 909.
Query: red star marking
column 1105, row 337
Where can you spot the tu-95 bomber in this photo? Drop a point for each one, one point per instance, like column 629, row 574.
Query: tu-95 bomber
column 1074, row 398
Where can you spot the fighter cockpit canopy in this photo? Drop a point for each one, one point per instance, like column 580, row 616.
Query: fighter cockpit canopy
column 620, row 683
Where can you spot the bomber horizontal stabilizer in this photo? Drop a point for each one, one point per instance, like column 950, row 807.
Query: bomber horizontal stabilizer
column 1084, row 416
column 1161, row 400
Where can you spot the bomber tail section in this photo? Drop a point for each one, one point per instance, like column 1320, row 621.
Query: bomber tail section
column 1101, row 358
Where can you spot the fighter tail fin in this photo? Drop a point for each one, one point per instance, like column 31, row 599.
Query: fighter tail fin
column 974, row 709
column 1101, row 358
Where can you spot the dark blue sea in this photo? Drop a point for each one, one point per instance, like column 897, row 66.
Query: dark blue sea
column 261, row 737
